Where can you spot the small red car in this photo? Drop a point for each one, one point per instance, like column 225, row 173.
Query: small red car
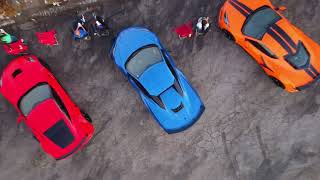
column 56, row 122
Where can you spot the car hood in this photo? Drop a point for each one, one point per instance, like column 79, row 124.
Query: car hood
column 44, row 116
column 157, row 78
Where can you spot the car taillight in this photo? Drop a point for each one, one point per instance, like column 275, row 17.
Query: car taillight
column 0, row 82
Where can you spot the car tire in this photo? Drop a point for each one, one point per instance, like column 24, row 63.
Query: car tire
column 229, row 36
column 86, row 116
column 277, row 82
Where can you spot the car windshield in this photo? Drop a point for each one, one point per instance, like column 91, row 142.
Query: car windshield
column 259, row 22
column 300, row 59
column 60, row 134
column 34, row 97
column 143, row 59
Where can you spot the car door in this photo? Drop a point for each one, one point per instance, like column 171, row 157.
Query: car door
column 260, row 52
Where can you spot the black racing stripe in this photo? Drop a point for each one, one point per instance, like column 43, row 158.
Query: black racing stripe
column 285, row 36
column 272, row 33
column 243, row 6
column 239, row 9
column 314, row 70
column 310, row 73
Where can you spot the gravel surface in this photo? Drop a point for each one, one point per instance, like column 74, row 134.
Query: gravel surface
column 251, row 130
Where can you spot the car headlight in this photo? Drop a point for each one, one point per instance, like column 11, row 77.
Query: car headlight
column 226, row 19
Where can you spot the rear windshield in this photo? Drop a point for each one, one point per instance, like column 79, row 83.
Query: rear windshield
column 300, row 59
column 34, row 97
column 60, row 134
column 259, row 22
column 143, row 59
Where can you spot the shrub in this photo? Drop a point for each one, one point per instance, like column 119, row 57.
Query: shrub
column 9, row 9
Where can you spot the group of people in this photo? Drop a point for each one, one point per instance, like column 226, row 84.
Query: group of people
column 200, row 27
column 96, row 25
column 81, row 28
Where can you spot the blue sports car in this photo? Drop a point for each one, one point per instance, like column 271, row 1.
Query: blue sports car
column 163, row 88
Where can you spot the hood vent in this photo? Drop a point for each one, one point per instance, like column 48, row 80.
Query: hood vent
column 179, row 108
column 16, row 73
column 158, row 101
column 177, row 87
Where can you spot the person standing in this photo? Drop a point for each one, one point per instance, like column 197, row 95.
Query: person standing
column 202, row 26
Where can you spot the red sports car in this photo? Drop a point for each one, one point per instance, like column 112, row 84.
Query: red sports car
column 56, row 122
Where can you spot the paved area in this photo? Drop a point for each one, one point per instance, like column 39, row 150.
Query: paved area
column 251, row 130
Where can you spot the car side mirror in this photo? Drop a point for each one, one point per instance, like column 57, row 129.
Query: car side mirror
column 281, row 8
column 20, row 119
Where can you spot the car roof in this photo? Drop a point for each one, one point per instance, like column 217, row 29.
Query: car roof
column 45, row 115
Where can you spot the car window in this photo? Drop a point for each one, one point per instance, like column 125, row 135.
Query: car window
column 34, row 97
column 60, row 103
column 259, row 22
column 264, row 49
column 300, row 59
column 60, row 134
column 141, row 60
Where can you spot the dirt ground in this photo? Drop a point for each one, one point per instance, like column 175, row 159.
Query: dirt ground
column 251, row 130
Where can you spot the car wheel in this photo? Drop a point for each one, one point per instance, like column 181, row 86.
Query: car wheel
column 86, row 116
column 43, row 63
column 229, row 36
column 278, row 82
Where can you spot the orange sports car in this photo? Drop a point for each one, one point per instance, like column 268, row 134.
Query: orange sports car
column 289, row 57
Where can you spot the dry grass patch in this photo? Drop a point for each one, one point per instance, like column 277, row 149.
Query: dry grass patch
column 9, row 9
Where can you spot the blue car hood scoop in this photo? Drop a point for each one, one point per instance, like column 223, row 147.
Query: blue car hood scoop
column 157, row 78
